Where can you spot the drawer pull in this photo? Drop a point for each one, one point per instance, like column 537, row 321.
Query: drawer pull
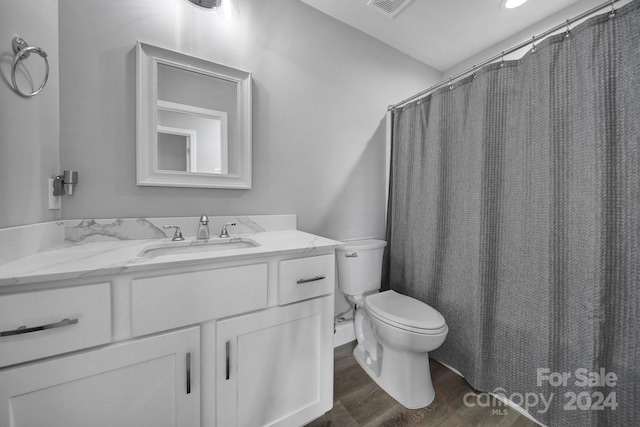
column 313, row 279
column 188, row 373
column 24, row 330
column 227, row 365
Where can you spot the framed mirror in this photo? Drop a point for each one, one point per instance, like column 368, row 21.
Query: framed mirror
column 193, row 121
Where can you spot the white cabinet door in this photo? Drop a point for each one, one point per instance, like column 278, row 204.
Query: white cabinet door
column 275, row 367
column 148, row 382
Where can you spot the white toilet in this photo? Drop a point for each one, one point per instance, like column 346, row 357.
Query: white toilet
column 394, row 332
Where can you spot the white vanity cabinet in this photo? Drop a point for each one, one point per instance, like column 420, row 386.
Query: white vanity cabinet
column 275, row 367
column 243, row 342
column 149, row 381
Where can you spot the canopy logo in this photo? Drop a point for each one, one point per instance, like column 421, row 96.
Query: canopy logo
column 586, row 400
column 496, row 401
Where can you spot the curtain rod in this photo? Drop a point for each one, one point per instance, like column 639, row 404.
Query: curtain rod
column 540, row 36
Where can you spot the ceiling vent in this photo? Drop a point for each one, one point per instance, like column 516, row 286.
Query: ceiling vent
column 389, row 8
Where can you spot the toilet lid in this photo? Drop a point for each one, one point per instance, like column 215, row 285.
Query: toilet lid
column 404, row 310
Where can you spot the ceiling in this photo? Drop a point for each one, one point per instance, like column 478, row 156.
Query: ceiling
column 441, row 33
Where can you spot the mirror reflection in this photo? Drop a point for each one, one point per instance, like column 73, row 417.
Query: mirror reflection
column 196, row 135
column 187, row 100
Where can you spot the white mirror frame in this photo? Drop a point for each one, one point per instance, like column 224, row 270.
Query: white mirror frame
column 148, row 174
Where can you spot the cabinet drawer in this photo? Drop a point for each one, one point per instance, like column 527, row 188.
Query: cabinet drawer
column 167, row 302
column 306, row 278
column 53, row 322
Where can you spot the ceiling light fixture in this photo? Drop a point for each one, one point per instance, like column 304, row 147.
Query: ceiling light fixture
column 229, row 8
column 208, row 4
column 512, row 4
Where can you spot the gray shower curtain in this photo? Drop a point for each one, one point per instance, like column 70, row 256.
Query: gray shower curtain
column 514, row 210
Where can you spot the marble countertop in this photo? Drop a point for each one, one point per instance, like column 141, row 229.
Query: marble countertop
column 95, row 259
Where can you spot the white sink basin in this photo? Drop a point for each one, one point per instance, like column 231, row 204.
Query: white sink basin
column 195, row 247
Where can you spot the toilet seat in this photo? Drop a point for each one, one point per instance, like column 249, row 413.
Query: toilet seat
column 405, row 313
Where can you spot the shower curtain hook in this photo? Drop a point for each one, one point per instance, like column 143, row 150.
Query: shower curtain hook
column 612, row 14
column 568, row 32
column 474, row 75
column 450, row 82
column 533, row 44
column 502, row 60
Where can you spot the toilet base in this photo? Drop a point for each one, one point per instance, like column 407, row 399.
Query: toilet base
column 403, row 375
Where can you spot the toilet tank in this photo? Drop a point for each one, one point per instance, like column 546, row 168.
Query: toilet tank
column 360, row 266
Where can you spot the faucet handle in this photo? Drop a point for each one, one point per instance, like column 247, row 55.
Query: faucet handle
column 224, row 232
column 177, row 235
column 204, row 219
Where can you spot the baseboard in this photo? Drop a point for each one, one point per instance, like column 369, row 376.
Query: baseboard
column 344, row 333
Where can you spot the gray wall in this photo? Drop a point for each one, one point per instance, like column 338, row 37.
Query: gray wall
column 29, row 127
column 320, row 95
column 558, row 18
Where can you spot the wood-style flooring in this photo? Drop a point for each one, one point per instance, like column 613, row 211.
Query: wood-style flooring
column 358, row 401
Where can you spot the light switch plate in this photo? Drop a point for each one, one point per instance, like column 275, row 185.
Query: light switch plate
column 55, row 202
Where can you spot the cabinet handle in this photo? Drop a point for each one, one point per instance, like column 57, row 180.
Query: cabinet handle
column 188, row 373
column 24, row 330
column 313, row 279
column 228, row 360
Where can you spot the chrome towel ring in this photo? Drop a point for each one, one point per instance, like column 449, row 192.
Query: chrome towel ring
column 22, row 50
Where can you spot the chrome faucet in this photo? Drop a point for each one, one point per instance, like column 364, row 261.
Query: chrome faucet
column 224, row 232
column 178, row 233
column 203, row 228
